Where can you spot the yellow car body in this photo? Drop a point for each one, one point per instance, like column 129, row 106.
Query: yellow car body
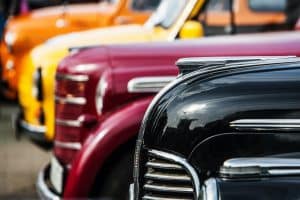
column 48, row 55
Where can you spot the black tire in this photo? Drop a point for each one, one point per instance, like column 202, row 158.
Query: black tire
column 112, row 182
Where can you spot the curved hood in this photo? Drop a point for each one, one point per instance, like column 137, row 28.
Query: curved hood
column 202, row 104
column 118, row 34
column 58, row 19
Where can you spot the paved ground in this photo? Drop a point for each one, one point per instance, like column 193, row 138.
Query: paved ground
column 20, row 161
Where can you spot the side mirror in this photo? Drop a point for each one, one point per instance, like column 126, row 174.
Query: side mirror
column 191, row 29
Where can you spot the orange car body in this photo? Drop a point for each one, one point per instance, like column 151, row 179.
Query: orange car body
column 25, row 31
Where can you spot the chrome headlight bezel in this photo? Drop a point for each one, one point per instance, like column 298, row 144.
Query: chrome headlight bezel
column 99, row 94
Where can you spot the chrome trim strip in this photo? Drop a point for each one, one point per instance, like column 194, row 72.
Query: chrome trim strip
column 131, row 192
column 210, row 190
column 42, row 189
column 69, row 77
column 70, row 123
column 264, row 162
column 164, row 188
column 148, row 84
column 33, row 128
column 266, row 124
column 166, row 177
column 259, row 166
column 68, row 145
column 184, row 163
column 207, row 60
column 71, row 100
column 152, row 197
column 162, row 165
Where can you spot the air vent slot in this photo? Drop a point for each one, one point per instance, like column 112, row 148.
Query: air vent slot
column 167, row 178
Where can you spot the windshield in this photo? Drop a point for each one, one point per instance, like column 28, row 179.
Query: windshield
column 167, row 13
column 112, row 1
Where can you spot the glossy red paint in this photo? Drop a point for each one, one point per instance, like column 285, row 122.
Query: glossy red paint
column 123, row 111
column 99, row 146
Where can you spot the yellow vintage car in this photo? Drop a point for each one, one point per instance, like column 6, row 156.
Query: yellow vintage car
column 172, row 19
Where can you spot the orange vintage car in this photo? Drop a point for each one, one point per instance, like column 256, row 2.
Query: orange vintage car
column 26, row 31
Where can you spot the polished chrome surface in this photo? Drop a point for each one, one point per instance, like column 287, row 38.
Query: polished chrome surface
column 42, row 189
column 261, row 166
column 167, row 177
column 131, row 192
column 75, row 78
column 192, row 172
column 70, row 123
column 149, row 84
column 162, row 165
column 164, row 188
column 32, row 128
column 266, row 124
column 68, row 145
column 153, row 197
column 71, row 100
column 206, row 60
column 170, row 177
column 210, row 190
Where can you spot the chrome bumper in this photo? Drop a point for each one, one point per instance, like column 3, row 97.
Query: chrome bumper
column 35, row 132
column 42, row 188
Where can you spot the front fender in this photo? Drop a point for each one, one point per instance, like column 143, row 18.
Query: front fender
column 117, row 129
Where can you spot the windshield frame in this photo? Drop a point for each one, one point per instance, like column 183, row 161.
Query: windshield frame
column 160, row 14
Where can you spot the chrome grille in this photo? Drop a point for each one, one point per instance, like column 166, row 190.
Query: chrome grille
column 168, row 177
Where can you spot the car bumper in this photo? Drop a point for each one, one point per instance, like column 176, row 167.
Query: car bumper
column 35, row 132
column 43, row 190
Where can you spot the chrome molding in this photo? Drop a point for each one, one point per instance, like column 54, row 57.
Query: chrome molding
column 207, row 60
column 149, row 84
column 42, row 189
column 71, row 100
column 33, row 128
column 266, row 124
column 75, row 78
column 261, row 166
column 159, row 188
column 70, row 123
column 192, row 172
column 68, row 145
column 210, row 190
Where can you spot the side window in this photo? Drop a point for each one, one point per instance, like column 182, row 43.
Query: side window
column 218, row 5
column 268, row 5
column 145, row 4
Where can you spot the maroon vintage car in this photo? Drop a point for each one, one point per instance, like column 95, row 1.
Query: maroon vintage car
column 102, row 94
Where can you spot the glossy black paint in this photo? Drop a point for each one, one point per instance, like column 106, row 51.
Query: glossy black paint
column 202, row 105
column 282, row 188
column 191, row 118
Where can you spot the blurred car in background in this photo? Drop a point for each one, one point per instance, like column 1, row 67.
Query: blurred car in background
column 222, row 131
column 36, row 86
column 102, row 94
column 172, row 20
column 25, row 31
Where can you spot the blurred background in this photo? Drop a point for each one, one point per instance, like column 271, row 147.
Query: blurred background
column 20, row 160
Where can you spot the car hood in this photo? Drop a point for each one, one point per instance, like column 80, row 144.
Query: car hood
column 111, row 35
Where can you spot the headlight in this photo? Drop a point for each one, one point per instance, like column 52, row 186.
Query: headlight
column 100, row 91
column 10, row 39
column 37, row 86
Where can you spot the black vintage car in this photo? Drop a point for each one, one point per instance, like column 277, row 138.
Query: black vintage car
column 227, row 128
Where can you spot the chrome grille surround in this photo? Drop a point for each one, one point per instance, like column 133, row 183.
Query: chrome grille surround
column 169, row 177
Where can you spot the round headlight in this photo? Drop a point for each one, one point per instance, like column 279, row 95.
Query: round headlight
column 100, row 91
column 10, row 39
